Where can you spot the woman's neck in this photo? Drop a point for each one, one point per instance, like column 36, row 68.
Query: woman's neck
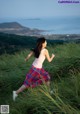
column 43, row 47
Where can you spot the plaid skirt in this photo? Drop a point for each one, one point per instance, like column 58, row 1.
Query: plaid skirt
column 35, row 77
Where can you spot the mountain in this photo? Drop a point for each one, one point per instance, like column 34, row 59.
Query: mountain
column 18, row 29
column 11, row 25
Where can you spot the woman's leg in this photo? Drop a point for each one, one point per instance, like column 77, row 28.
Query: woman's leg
column 15, row 93
column 23, row 87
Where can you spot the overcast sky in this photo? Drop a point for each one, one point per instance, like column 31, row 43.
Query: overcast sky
column 37, row 8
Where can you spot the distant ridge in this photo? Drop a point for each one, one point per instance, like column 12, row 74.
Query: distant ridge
column 10, row 25
column 18, row 29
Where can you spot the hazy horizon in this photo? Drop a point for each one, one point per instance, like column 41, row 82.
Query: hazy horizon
column 37, row 9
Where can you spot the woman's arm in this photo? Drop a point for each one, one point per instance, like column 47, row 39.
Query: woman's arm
column 48, row 56
column 29, row 55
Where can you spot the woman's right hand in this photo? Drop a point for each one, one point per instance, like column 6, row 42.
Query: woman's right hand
column 53, row 55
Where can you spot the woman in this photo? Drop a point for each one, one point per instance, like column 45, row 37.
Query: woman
column 37, row 75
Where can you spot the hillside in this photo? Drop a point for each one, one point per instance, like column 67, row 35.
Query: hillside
column 65, row 82
column 11, row 25
column 18, row 29
column 10, row 43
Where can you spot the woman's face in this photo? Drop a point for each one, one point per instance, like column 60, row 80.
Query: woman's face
column 44, row 44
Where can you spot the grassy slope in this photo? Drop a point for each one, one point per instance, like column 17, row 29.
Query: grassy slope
column 65, row 78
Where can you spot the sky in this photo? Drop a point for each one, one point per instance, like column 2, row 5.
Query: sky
column 37, row 8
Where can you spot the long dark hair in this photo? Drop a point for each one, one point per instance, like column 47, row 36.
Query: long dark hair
column 38, row 47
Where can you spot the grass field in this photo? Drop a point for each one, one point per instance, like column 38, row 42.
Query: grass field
column 65, row 82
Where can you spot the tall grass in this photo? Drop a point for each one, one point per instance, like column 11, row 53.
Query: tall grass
column 65, row 82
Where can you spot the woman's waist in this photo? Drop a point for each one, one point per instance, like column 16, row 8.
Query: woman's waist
column 37, row 65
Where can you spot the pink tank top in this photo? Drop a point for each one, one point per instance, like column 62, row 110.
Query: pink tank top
column 38, row 62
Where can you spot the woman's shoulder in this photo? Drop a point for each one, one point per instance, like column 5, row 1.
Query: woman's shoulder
column 44, row 50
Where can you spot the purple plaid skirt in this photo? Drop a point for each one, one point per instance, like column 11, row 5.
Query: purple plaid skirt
column 35, row 77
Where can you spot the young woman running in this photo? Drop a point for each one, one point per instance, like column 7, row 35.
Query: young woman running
column 36, row 75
